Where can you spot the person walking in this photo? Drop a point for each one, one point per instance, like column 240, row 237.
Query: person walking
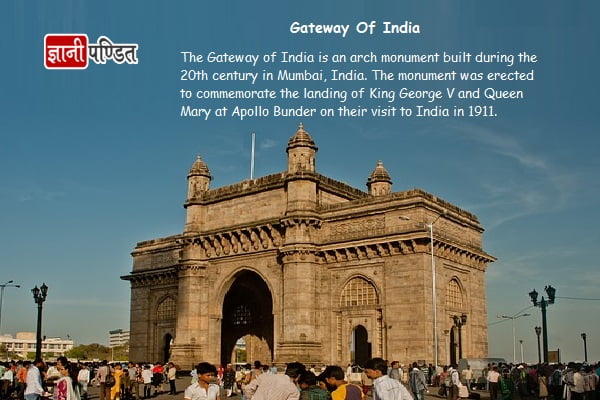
column 147, row 380
column 34, row 388
column 21, row 378
column 115, row 390
column 83, row 379
column 467, row 375
column 418, row 382
column 229, row 380
column 493, row 377
column 101, row 374
column 384, row 387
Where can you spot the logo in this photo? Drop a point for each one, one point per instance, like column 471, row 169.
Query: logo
column 73, row 51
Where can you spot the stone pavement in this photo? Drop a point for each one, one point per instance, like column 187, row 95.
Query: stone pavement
column 183, row 382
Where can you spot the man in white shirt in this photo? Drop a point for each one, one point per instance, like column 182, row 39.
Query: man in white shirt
column 276, row 387
column 384, row 387
column 578, row 388
column 147, row 380
column 34, row 388
column 83, row 379
column 493, row 377
column 467, row 375
column 204, row 389
column 455, row 382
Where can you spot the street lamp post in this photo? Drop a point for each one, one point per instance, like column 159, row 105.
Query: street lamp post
column 584, row 337
column 39, row 296
column 433, row 292
column 512, row 318
column 538, row 332
column 522, row 358
column 459, row 322
column 5, row 285
column 543, row 304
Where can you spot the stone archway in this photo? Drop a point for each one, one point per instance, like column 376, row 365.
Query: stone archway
column 361, row 347
column 167, row 342
column 247, row 310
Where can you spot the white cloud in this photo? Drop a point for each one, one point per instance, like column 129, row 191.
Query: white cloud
column 267, row 144
column 24, row 195
column 535, row 186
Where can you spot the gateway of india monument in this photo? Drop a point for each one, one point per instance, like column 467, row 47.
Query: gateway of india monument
column 306, row 268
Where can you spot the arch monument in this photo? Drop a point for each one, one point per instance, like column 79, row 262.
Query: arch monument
column 313, row 270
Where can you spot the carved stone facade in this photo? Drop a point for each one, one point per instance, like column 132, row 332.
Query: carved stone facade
column 318, row 271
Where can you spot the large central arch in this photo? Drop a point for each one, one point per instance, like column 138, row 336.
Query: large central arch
column 247, row 310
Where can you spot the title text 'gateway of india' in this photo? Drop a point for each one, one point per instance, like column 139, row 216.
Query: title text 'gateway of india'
column 308, row 268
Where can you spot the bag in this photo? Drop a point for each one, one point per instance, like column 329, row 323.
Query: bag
column 110, row 380
column 463, row 392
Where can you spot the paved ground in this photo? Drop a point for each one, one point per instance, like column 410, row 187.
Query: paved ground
column 182, row 383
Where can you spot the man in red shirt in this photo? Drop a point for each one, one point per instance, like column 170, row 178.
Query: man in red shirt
column 158, row 377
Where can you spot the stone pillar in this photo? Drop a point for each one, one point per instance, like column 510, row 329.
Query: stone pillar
column 300, row 339
column 139, row 314
column 190, row 339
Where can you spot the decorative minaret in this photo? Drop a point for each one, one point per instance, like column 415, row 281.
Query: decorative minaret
column 379, row 183
column 299, row 258
column 198, row 183
column 301, row 185
column 301, row 152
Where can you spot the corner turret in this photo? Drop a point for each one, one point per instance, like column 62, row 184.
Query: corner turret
column 301, row 151
column 198, row 183
column 198, row 179
column 379, row 183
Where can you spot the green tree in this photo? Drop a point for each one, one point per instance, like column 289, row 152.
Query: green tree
column 77, row 352
column 89, row 352
column 120, row 353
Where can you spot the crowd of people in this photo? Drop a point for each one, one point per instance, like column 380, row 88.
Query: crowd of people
column 380, row 380
column 65, row 380
column 573, row 381
column 377, row 379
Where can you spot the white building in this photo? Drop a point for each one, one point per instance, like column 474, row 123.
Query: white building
column 24, row 343
column 118, row 337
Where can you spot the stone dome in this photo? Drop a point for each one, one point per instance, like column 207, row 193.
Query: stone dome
column 379, row 174
column 301, row 139
column 199, row 168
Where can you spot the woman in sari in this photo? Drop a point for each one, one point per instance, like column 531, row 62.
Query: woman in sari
column 115, row 391
column 63, row 387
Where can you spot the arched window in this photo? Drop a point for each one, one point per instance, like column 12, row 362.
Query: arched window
column 358, row 292
column 166, row 309
column 454, row 299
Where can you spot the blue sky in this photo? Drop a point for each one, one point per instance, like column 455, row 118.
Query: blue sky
column 94, row 161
